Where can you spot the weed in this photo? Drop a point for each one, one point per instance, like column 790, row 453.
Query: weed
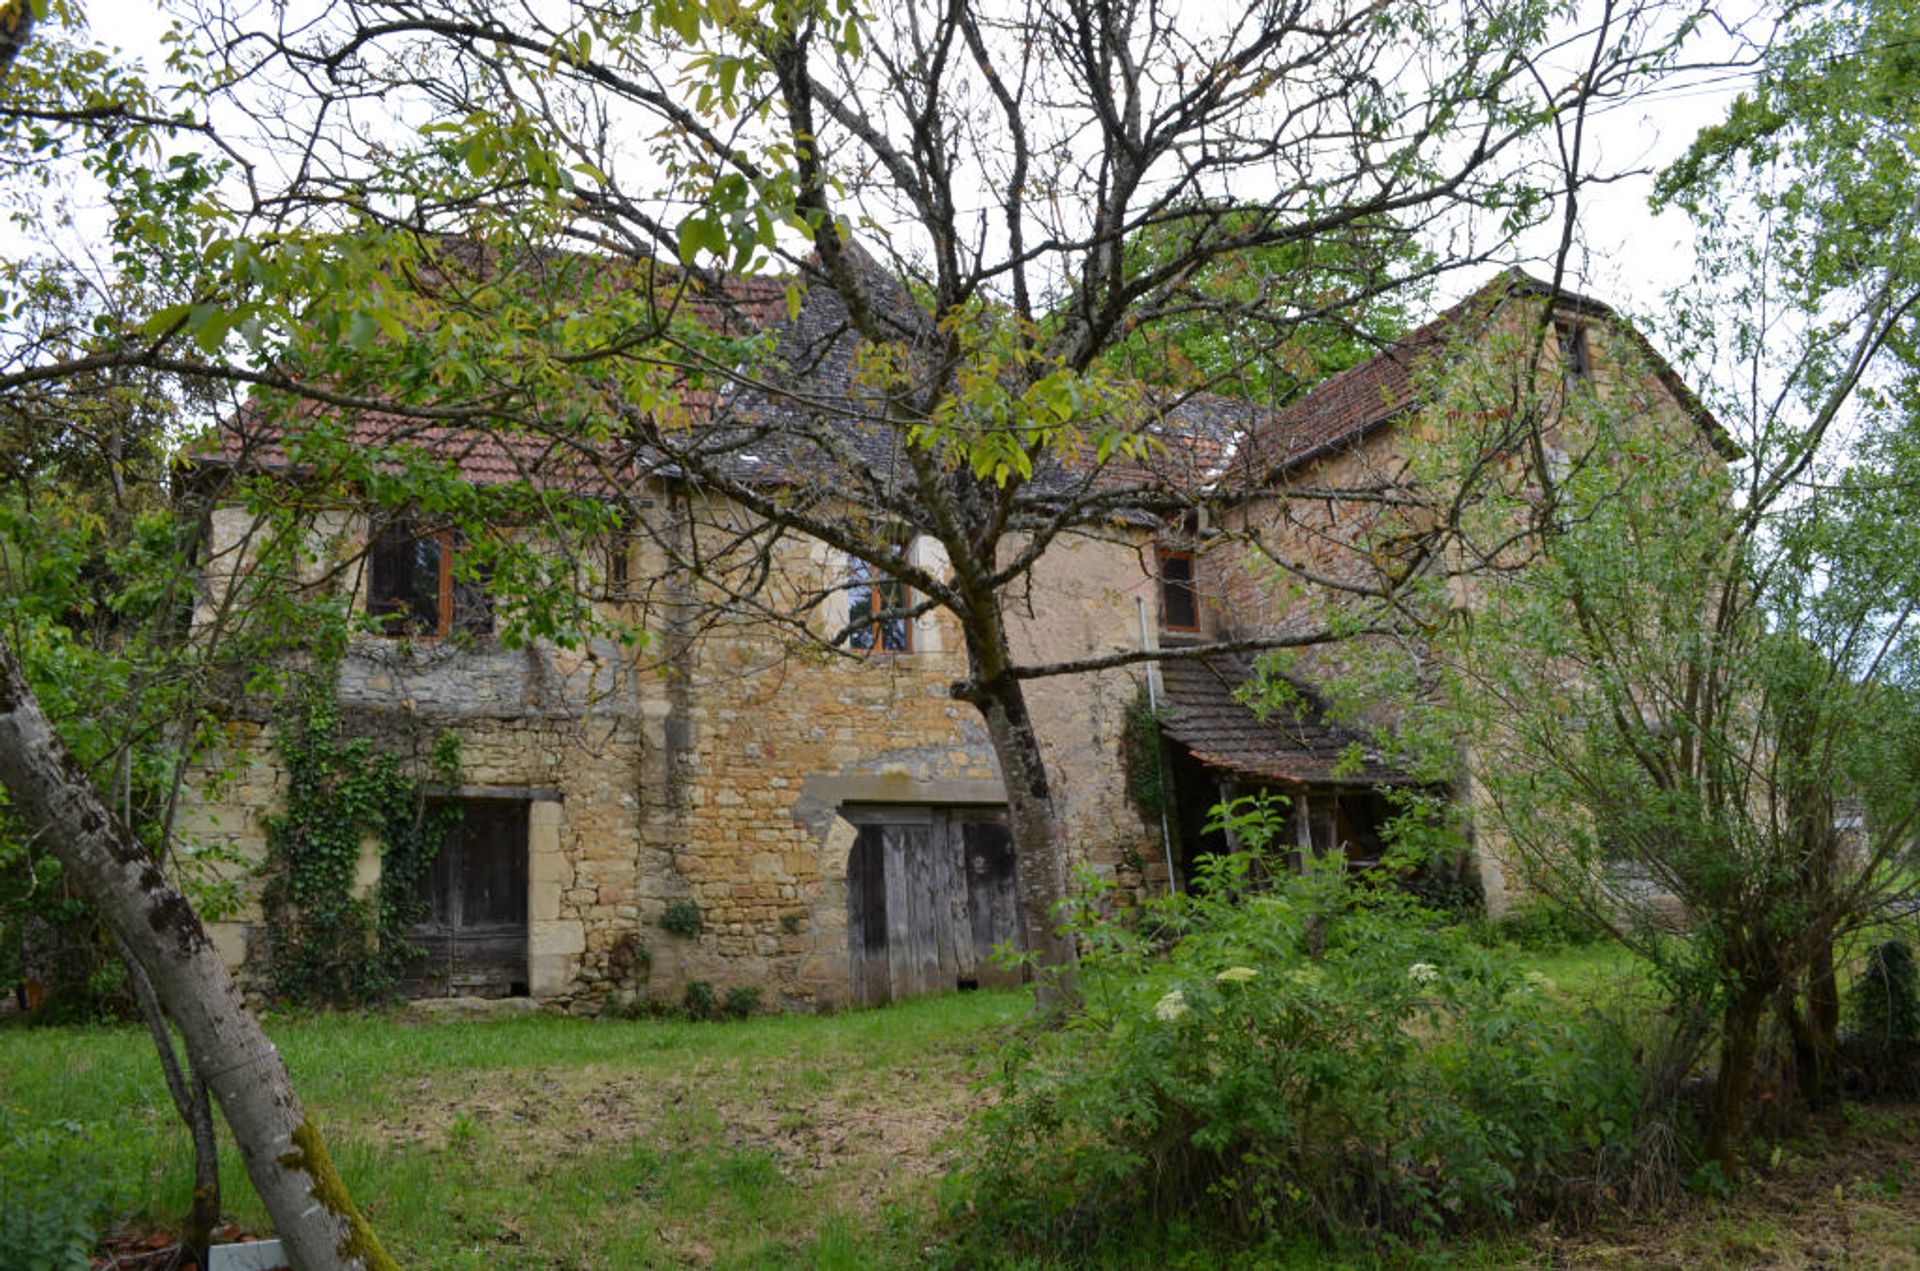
column 681, row 918
column 700, row 1000
column 48, row 1200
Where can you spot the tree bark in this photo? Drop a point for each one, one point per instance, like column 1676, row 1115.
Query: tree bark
column 1042, row 865
column 1733, row 1085
column 1823, row 1005
column 284, row 1153
column 1816, row 1030
column 192, row 1101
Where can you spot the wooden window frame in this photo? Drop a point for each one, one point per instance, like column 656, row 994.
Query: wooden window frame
column 1192, row 584
column 872, row 637
column 398, row 622
column 393, row 612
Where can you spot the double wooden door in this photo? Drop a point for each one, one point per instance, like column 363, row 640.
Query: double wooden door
column 930, row 894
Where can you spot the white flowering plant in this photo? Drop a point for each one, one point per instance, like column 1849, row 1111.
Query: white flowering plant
column 1268, row 1055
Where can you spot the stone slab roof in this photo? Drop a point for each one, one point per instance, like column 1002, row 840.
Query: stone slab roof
column 1202, row 712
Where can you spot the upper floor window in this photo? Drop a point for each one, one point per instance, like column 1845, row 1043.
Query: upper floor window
column 412, row 590
column 875, row 605
column 1179, row 592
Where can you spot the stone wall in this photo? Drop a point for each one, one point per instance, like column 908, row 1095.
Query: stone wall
column 1330, row 538
column 709, row 769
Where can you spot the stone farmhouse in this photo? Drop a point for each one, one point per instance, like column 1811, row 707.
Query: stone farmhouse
column 830, row 830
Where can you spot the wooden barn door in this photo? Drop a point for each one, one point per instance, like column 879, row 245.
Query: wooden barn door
column 986, row 846
column 930, row 892
column 473, row 937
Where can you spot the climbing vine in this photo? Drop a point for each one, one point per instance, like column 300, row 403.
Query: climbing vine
column 330, row 945
column 1143, row 757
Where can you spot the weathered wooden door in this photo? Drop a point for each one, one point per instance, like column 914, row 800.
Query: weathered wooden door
column 930, row 893
column 473, row 938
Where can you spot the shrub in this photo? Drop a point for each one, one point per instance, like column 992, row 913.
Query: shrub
column 1885, row 1000
column 742, row 1001
column 1402, row 1081
column 1545, row 925
column 48, row 1200
column 700, row 1001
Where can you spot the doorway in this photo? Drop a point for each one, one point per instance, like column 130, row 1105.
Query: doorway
column 931, row 892
column 472, row 935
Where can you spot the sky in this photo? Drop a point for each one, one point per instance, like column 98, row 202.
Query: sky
column 1625, row 253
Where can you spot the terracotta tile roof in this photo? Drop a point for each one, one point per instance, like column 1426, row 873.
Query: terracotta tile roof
column 253, row 442
column 1352, row 404
column 1203, row 714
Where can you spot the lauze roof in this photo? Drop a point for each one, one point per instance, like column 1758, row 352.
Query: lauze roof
column 1204, row 714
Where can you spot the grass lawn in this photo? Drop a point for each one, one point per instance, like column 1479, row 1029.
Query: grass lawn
column 803, row 1141
column 537, row 1141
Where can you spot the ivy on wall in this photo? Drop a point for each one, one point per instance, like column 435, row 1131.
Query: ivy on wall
column 1142, row 755
column 327, row 944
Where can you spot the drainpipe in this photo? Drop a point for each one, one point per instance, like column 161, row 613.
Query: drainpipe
column 1159, row 747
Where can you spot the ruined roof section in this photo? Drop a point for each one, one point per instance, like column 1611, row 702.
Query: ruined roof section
column 810, row 390
column 1202, row 712
column 1352, row 404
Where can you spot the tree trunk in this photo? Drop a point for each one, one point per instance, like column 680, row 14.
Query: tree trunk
column 1733, row 1085
column 191, row 1101
column 284, row 1153
column 1817, row 1041
column 1042, row 864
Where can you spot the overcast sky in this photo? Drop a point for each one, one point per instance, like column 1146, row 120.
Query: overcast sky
column 1626, row 254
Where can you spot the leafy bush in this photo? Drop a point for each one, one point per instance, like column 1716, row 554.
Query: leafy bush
column 1546, row 926
column 742, row 1001
column 700, row 1000
column 47, row 1204
column 1404, row 1080
column 1885, row 1000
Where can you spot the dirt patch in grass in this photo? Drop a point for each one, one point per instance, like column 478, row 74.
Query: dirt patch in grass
column 853, row 1137
column 1843, row 1193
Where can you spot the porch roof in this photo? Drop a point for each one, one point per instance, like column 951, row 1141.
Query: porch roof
column 1202, row 712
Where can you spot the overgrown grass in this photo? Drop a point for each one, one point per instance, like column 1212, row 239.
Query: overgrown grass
column 536, row 1141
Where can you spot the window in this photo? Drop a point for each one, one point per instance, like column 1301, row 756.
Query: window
column 1179, row 596
column 874, row 602
column 412, row 590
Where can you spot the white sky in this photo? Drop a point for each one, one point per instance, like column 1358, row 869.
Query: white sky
column 1625, row 254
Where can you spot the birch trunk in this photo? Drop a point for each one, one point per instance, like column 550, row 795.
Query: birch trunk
column 284, row 1153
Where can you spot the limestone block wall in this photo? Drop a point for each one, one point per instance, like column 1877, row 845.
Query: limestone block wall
column 557, row 731
column 753, row 742
column 1088, row 600
column 711, row 766
column 1328, row 537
